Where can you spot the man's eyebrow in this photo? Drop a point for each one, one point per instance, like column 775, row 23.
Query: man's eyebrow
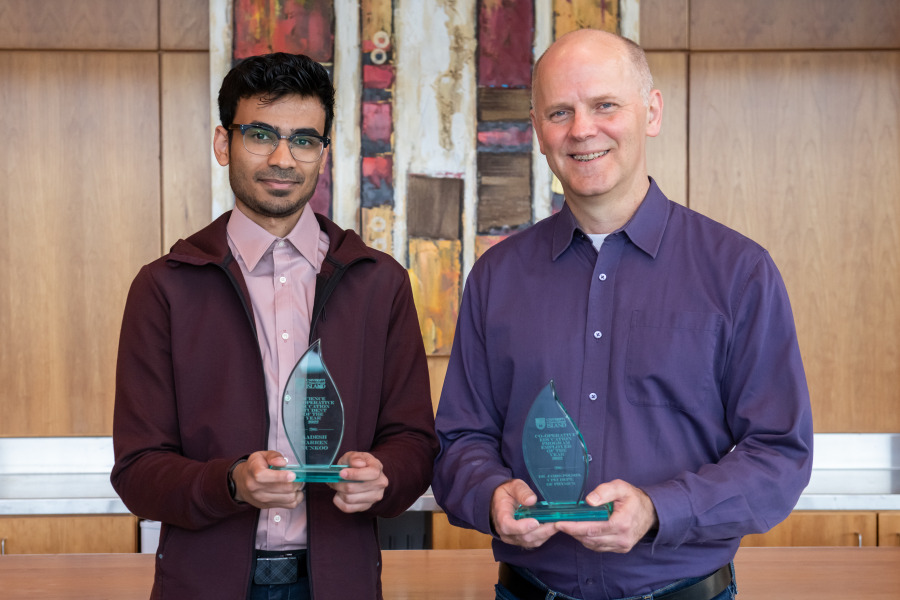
column 298, row 131
column 305, row 131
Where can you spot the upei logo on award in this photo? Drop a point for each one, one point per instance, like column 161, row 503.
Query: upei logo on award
column 550, row 423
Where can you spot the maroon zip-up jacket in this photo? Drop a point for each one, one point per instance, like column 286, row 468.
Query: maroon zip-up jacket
column 191, row 400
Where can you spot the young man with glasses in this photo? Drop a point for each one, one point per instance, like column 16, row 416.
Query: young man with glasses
column 210, row 335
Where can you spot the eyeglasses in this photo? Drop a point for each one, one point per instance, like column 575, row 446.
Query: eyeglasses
column 262, row 141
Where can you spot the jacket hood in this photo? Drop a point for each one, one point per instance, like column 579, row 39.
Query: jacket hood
column 210, row 245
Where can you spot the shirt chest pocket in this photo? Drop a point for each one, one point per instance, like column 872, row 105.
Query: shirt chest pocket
column 671, row 359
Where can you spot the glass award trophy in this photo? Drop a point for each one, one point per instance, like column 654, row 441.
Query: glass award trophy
column 313, row 417
column 557, row 461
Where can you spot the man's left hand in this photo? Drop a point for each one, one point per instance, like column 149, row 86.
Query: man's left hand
column 632, row 517
column 367, row 484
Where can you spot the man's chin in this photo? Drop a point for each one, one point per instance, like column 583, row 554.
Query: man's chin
column 277, row 211
column 279, row 193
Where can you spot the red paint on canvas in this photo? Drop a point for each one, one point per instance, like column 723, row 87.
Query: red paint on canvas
column 505, row 32
column 295, row 26
column 509, row 137
column 321, row 198
column 377, row 123
column 369, row 45
column 380, row 77
column 378, row 170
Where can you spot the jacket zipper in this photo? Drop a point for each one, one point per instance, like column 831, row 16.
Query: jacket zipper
column 321, row 297
column 249, row 314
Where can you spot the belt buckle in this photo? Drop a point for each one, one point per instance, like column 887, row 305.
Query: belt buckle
column 276, row 570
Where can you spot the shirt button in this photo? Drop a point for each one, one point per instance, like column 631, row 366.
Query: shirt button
column 281, row 243
column 598, row 335
column 285, row 335
column 590, row 458
column 592, row 396
column 589, row 581
column 282, row 279
column 602, row 277
column 277, row 518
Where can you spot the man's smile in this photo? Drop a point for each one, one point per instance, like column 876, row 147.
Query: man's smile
column 589, row 157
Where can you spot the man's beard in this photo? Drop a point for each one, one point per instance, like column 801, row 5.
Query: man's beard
column 249, row 197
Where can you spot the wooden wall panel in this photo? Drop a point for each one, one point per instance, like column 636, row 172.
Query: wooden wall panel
column 79, row 25
column 81, row 214
column 801, row 152
column 69, row 534
column 667, row 152
column 889, row 528
column 450, row 537
column 437, row 371
column 664, row 24
column 797, row 24
column 186, row 142
column 820, row 528
column 184, row 24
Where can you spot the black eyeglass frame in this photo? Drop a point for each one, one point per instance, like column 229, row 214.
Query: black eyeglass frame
column 244, row 127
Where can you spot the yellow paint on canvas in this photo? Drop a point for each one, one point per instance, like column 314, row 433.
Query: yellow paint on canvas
column 483, row 242
column 435, row 276
column 377, row 225
column 376, row 16
column 579, row 14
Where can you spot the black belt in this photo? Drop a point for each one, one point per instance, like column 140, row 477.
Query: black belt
column 705, row 589
column 278, row 568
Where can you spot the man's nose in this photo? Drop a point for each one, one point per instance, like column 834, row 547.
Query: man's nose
column 282, row 155
column 584, row 125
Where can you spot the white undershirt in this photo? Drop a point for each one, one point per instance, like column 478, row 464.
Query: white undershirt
column 597, row 239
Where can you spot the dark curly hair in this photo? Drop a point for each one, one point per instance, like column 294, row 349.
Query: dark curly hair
column 273, row 76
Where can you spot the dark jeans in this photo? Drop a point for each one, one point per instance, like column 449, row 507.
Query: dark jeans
column 729, row 594
column 288, row 591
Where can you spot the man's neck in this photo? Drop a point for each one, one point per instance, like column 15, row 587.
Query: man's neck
column 608, row 213
column 278, row 226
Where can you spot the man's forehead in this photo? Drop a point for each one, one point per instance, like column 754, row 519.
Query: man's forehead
column 599, row 76
column 290, row 110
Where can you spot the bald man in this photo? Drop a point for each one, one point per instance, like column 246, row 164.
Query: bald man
column 670, row 341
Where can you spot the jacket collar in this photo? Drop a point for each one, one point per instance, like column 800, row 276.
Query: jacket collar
column 210, row 245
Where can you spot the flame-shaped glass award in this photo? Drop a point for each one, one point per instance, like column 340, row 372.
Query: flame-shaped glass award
column 557, row 461
column 313, row 417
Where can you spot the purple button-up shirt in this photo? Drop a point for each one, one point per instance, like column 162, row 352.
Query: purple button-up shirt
column 674, row 351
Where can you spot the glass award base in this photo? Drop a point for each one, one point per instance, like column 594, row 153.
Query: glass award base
column 315, row 473
column 549, row 512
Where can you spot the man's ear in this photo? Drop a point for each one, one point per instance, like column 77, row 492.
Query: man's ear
column 537, row 132
column 654, row 113
column 221, row 147
column 322, row 159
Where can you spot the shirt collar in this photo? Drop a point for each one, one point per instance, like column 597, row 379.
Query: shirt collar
column 645, row 228
column 252, row 242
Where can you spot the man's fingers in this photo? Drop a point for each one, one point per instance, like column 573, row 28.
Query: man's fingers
column 263, row 487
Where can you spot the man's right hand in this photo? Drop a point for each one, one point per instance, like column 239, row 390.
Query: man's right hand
column 258, row 485
column 528, row 533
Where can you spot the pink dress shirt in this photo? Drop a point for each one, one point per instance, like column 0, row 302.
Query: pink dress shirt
column 281, row 277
